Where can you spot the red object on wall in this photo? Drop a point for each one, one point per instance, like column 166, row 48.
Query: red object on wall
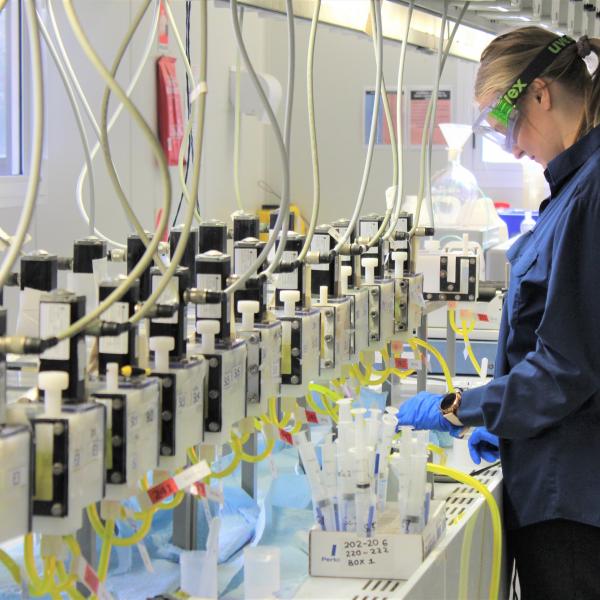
column 170, row 119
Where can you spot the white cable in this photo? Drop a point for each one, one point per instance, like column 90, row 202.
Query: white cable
column 76, row 112
column 104, row 139
column 35, row 164
column 393, row 142
column 399, row 136
column 150, row 40
column 314, row 149
column 146, row 258
column 287, row 132
column 369, row 158
column 237, row 126
column 285, row 197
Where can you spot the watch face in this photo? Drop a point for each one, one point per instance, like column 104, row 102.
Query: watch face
column 448, row 401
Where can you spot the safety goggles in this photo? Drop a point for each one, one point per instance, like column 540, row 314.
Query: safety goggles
column 500, row 122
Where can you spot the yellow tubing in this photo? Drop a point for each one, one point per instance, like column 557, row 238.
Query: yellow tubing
column 452, row 321
column 494, row 589
column 40, row 586
column 469, row 348
column 109, row 533
column 312, row 404
column 236, row 445
column 227, row 470
column 413, row 342
column 133, row 539
column 439, row 451
column 11, row 566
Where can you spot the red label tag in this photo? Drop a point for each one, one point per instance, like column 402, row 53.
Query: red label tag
column 401, row 363
column 483, row 317
column 163, row 26
column 286, row 436
column 162, row 490
column 311, row 417
column 201, row 489
column 91, row 579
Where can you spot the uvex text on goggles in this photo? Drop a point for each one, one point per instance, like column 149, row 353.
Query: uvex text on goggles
column 499, row 122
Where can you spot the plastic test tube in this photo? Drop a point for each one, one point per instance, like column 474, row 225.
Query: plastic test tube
column 418, row 501
column 388, row 429
column 364, row 496
column 330, row 476
column 345, row 479
column 400, row 464
column 322, row 504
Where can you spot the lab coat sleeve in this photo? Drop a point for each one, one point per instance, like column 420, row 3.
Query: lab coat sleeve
column 563, row 372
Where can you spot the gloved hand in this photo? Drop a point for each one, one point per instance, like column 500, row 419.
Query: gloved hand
column 483, row 444
column 423, row 412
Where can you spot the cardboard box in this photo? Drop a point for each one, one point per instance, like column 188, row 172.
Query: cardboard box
column 386, row 555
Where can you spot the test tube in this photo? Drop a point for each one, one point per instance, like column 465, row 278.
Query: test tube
column 329, row 474
column 364, row 496
column 400, row 464
column 345, row 483
column 388, row 429
column 417, row 504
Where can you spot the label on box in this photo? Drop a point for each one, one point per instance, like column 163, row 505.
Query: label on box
column 382, row 556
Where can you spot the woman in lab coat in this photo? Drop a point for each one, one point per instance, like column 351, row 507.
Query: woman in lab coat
column 542, row 409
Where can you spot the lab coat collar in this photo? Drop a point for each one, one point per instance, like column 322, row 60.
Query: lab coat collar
column 562, row 167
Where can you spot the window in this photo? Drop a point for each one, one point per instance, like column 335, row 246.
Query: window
column 10, row 90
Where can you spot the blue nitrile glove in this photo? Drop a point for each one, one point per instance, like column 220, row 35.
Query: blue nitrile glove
column 423, row 412
column 483, row 444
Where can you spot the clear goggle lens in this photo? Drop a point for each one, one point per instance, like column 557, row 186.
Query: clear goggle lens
column 496, row 130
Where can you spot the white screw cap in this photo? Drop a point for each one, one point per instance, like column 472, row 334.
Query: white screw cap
column 370, row 264
column 399, row 259
column 323, row 294
column 208, row 329
column 248, row 308
column 112, row 377
column 345, row 273
column 289, row 299
column 344, row 406
column 161, row 345
column 53, row 383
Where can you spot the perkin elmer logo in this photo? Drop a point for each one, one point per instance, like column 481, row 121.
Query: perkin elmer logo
column 333, row 549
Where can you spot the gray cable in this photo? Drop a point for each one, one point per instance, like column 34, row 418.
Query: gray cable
column 285, row 197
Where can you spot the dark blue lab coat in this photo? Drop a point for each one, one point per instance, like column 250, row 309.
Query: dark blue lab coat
column 544, row 400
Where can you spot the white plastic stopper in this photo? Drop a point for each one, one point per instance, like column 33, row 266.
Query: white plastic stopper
column 484, row 368
column 465, row 240
column 248, row 308
column 289, row 299
column 399, row 259
column 161, row 345
column 370, row 264
column 208, row 329
column 53, row 383
column 345, row 273
column 112, row 377
column 323, row 294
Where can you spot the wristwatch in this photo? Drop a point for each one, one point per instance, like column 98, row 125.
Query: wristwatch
column 449, row 406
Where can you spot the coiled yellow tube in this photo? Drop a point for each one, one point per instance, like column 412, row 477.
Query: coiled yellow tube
column 494, row 588
column 414, row 342
column 236, row 445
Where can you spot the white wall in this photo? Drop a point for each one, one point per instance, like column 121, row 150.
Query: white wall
column 344, row 69
column 57, row 221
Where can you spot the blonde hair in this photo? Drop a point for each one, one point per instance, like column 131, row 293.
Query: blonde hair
column 508, row 55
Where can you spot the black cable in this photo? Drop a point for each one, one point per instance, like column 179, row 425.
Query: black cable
column 190, row 148
column 485, row 469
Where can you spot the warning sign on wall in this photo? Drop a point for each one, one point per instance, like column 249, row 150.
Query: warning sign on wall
column 417, row 107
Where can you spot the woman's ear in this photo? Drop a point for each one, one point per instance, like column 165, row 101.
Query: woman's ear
column 541, row 93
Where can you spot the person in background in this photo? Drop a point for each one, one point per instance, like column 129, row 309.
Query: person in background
column 537, row 98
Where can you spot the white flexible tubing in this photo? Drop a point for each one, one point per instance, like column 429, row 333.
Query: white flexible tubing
column 76, row 112
column 237, row 126
column 146, row 258
column 35, row 164
column 399, row 86
column 285, row 199
column 363, row 186
column 191, row 207
column 84, row 170
column 314, row 149
column 287, row 131
column 189, row 124
column 104, row 139
column 388, row 117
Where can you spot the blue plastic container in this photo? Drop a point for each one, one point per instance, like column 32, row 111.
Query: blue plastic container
column 513, row 217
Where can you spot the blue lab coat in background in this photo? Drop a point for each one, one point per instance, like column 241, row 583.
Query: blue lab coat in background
column 544, row 400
